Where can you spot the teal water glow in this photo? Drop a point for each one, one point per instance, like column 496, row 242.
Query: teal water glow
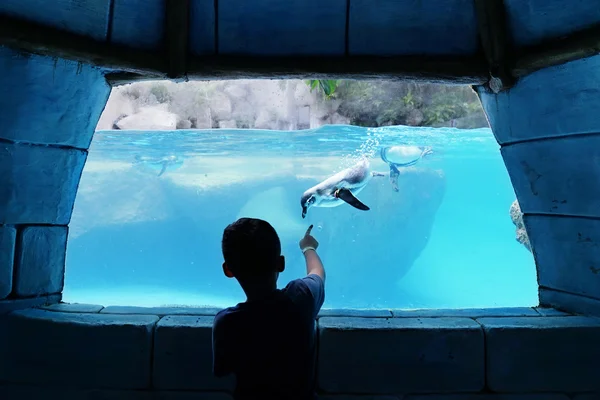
column 152, row 206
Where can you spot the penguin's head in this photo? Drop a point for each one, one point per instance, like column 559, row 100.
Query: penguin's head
column 306, row 201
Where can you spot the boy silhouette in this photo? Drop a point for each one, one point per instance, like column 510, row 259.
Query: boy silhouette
column 268, row 341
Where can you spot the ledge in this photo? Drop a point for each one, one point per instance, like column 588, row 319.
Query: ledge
column 325, row 312
column 365, row 352
column 9, row 305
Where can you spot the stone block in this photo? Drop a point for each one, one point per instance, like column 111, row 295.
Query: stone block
column 564, row 241
column 565, row 97
column 551, row 312
column 548, row 354
column 74, row 307
column 357, row 397
column 351, row 312
column 94, row 350
column 83, row 17
column 275, row 27
column 7, row 306
column 467, row 312
column 533, row 21
column 400, row 355
column 40, row 260
column 183, row 355
column 570, row 302
column 143, row 30
column 8, row 235
column 49, row 101
column 549, row 176
column 490, row 396
column 588, row 396
column 15, row 392
column 161, row 311
column 202, row 27
column 38, row 184
column 450, row 29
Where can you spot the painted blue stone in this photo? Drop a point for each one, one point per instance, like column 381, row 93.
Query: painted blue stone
column 202, row 27
column 161, row 311
column 40, row 261
column 8, row 236
column 556, row 176
column 49, row 101
column 282, row 27
column 566, row 99
column 533, row 21
column 38, row 184
column 431, row 27
column 83, row 17
column 467, row 312
column 74, row 307
column 433, row 355
column 91, row 350
column 349, row 312
column 7, row 306
column 567, row 253
column 139, row 26
column 183, row 355
column 547, row 354
column 488, row 396
column 551, row 312
column 10, row 392
column 570, row 302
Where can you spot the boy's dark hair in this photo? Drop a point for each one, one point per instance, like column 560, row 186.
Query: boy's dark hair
column 251, row 247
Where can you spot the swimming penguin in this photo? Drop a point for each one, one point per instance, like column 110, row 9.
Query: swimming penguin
column 163, row 162
column 339, row 188
column 402, row 156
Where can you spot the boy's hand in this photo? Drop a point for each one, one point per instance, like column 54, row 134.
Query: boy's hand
column 308, row 242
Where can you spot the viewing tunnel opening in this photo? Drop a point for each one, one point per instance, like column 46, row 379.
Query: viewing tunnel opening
column 171, row 164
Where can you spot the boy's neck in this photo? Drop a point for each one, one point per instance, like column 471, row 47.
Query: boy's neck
column 257, row 291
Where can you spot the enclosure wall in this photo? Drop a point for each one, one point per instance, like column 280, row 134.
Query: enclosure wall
column 48, row 111
column 78, row 351
column 549, row 131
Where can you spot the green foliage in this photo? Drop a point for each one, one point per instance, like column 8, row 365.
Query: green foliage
column 327, row 86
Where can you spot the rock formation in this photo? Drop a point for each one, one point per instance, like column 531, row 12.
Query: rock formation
column 517, row 218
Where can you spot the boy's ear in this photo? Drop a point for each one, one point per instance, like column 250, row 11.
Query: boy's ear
column 281, row 264
column 227, row 272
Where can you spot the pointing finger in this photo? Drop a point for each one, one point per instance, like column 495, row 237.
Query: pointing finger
column 308, row 230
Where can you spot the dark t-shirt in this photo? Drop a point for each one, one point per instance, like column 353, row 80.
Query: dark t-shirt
column 269, row 344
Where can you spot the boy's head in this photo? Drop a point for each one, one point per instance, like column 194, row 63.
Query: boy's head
column 252, row 251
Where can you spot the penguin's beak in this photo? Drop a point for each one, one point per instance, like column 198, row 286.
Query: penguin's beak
column 304, row 211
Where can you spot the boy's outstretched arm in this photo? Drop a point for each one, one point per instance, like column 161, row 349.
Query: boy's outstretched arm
column 308, row 245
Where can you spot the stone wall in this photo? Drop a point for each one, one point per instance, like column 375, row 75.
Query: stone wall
column 82, row 351
column 48, row 111
column 551, row 147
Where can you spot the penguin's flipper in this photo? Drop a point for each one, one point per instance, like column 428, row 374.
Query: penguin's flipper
column 349, row 198
column 163, row 169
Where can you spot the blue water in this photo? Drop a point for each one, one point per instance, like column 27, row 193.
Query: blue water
column 445, row 240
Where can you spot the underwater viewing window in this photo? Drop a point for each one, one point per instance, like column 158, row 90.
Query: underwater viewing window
column 170, row 165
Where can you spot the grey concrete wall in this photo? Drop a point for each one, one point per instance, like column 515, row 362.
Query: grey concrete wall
column 82, row 351
column 48, row 111
column 549, row 130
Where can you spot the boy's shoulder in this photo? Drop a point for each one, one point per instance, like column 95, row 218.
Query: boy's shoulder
column 222, row 314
